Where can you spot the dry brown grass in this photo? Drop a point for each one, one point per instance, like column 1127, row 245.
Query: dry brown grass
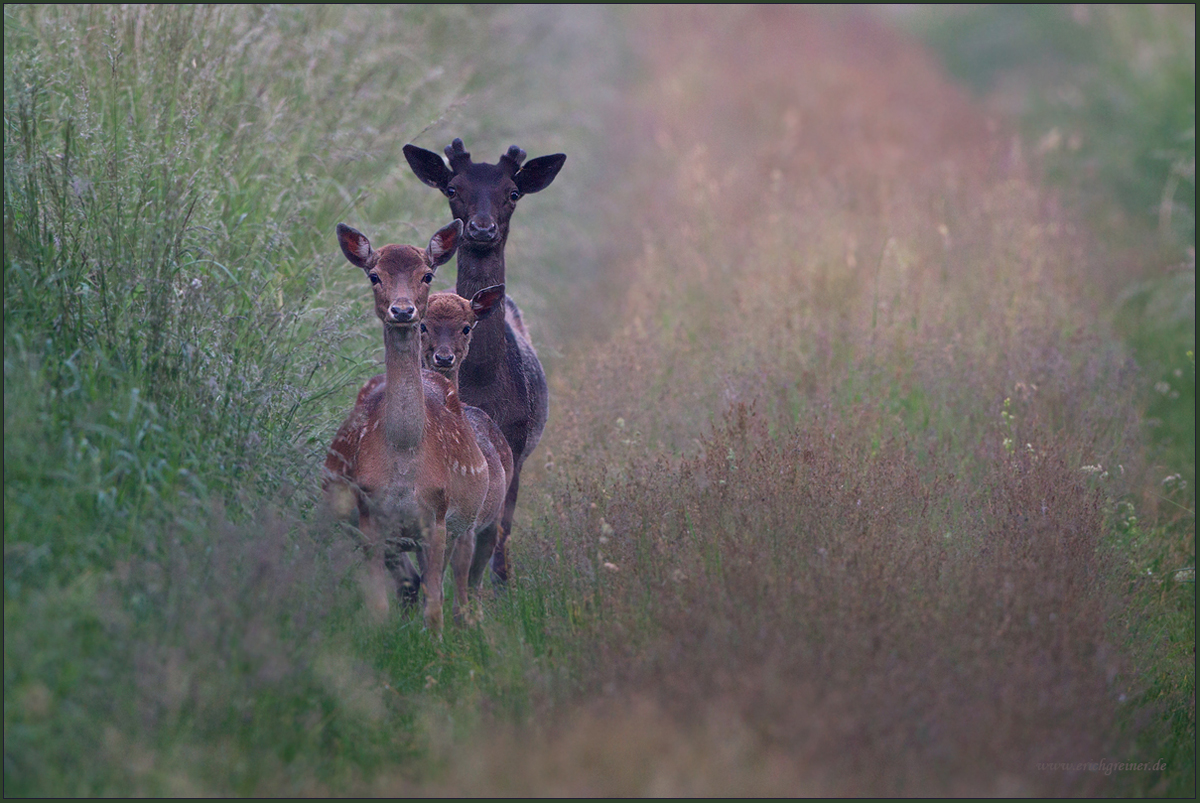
column 788, row 480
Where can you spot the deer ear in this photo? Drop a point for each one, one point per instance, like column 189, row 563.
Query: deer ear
column 537, row 173
column 428, row 167
column 356, row 247
column 486, row 300
column 444, row 243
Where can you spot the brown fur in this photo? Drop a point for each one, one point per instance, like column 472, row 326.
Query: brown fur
column 407, row 452
column 445, row 342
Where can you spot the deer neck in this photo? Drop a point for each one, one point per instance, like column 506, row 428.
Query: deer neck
column 478, row 268
column 476, row 271
column 452, row 375
column 404, row 416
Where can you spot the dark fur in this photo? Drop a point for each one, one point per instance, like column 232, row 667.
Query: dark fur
column 502, row 374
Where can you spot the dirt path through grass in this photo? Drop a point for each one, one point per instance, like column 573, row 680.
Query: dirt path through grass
column 819, row 494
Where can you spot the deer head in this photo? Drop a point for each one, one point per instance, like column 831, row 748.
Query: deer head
column 400, row 274
column 483, row 196
column 449, row 321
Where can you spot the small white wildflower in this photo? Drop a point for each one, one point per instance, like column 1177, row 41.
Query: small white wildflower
column 1092, row 469
column 1050, row 141
column 612, row 567
column 1162, row 387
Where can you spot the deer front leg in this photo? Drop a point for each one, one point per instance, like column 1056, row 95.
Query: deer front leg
column 377, row 581
column 485, row 545
column 462, row 553
column 431, row 575
column 500, row 553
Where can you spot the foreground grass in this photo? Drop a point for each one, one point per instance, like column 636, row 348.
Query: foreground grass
column 811, row 515
column 180, row 344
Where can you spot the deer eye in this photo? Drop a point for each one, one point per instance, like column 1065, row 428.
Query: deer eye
column 427, row 278
column 423, row 329
column 451, row 192
column 466, row 330
column 374, row 278
column 514, row 196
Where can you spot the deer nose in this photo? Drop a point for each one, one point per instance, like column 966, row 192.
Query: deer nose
column 481, row 228
column 443, row 359
column 402, row 313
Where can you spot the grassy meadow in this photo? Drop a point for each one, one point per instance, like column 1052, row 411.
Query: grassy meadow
column 870, row 467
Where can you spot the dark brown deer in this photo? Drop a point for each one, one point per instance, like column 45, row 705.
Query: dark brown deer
column 407, row 456
column 445, row 341
column 501, row 374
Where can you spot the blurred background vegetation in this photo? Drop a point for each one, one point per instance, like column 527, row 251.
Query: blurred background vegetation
column 1105, row 97
column 1105, row 94
column 181, row 339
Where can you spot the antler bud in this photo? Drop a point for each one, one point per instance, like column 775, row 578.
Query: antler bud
column 512, row 159
column 457, row 154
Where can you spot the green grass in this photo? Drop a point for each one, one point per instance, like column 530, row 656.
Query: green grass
column 180, row 343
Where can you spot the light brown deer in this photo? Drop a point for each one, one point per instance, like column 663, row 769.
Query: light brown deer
column 445, row 341
column 407, row 456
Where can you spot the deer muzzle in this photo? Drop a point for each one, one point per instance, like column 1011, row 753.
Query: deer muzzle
column 402, row 312
column 482, row 229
